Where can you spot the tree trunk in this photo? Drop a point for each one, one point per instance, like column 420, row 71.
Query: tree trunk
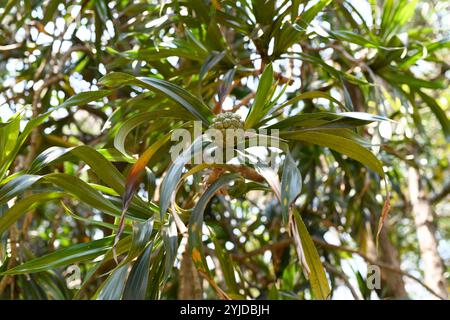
column 190, row 286
column 392, row 284
column 426, row 235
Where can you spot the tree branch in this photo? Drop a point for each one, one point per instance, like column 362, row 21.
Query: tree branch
column 286, row 242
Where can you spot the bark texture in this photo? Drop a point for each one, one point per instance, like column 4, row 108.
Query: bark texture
column 190, row 286
column 433, row 267
column 393, row 282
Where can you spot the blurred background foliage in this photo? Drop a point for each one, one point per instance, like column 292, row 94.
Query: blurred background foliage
column 68, row 142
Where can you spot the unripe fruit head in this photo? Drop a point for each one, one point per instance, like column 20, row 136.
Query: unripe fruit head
column 227, row 121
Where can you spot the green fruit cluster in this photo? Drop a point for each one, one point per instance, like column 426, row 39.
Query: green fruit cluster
column 227, row 120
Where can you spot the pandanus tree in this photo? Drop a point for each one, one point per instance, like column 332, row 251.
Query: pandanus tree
column 310, row 81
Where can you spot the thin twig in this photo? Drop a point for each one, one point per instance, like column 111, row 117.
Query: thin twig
column 244, row 101
column 13, row 240
column 340, row 274
column 326, row 245
column 380, row 264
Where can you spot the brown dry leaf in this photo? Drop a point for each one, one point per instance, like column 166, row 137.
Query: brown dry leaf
column 384, row 213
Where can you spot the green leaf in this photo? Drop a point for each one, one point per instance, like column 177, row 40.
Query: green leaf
column 196, row 221
column 103, row 168
column 307, row 16
column 25, row 205
column 9, row 133
column 140, row 238
column 307, row 96
column 176, row 93
column 173, row 174
column 72, row 185
column 213, row 59
column 170, row 238
column 398, row 77
column 287, row 35
column 16, row 186
column 337, row 74
column 328, row 120
column 83, row 98
column 340, row 144
column 114, row 155
column 136, row 286
column 225, row 85
column 291, row 185
column 50, row 10
column 9, row 5
column 438, row 112
column 135, row 174
column 262, row 96
column 91, row 221
column 143, row 118
column 264, row 11
column 73, row 254
column 270, row 175
column 18, row 142
column 183, row 50
column 113, row 287
column 226, row 264
column 366, row 117
column 306, row 248
column 425, row 52
column 364, row 41
column 395, row 14
column 98, row 163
